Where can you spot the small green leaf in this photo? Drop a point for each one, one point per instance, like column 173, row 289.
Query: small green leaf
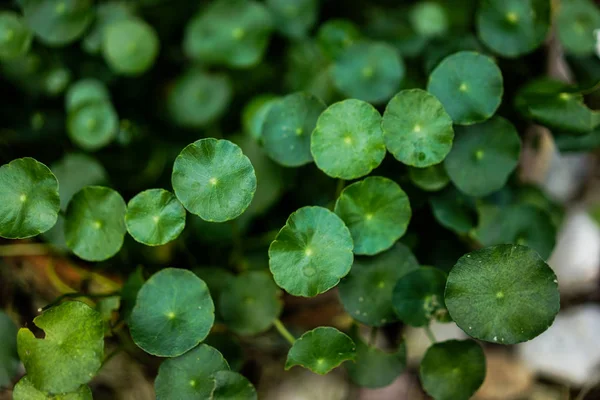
column 15, row 36
column 95, row 223
column 311, row 253
column 377, row 212
column 335, row 35
column 430, row 179
column 294, row 18
column 189, row 376
column 25, row 390
column 155, row 217
column 72, row 351
column 347, row 141
column 9, row 358
column 93, row 125
column 512, row 28
column 29, row 201
column 288, row 126
column 234, row 33
column 230, row 385
column 429, row 19
column 321, row 350
column 218, row 280
column 453, row 370
column 172, row 314
column 454, row 210
column 416, row 128
column 254, row 114
column 375, row 368
column 214, row 179
column 418, row 296
column 75, row 171
column 368, row 71
column 366, row 292
column 198, row 98
column 130, row 46
column 576, row 22
column 504, row 294
column 106, row 13
column 246, row 310
column 483, row 156
column 469, row 85
column 58, row 22
column 86, row 91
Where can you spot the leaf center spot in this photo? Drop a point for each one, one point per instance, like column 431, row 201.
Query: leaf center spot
column 155, row 218
column 308, row 252
column 60, row 7
column 193, row 383
column 309, row 271
column 249, row 300
column 367, row 72
column 417, row 128
column 348, row 140
column 23, row 198
column 238, row 33
column 320, row 361
column 97, row 224
column 131, row 47
column 565, row 96
column 479, row 155
column 8, row 35
column 463, row 87
column 299, row 131
column 369, row 216
column 512, row 17
column 500, row 295
column 171, row 315
column 213, row 181
column 91, row 123
column 381, row 284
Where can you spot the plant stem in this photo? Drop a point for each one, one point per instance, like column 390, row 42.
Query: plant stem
column 79, row 294
column 283, row 331
column 24, row 249
column 430, row 334
column 340, row 186
column 373, row 336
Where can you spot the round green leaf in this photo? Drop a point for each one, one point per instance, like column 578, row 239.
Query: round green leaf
column 416, row 128
column 369, row 71
column 311, row 253
column 375, row 368
column 366, row 292
column 321, row 350
column 430, row 179
column 429, row 19
column 513, row 27
column 254, row 114
column 469, row 85
column 172, row 314
column 335, row 35
column 294, row 18
column 198, row 98
column 71, row 352
column 106, row 13
column 347, row 142
column 86, row 91
column 9, row 358
column 93, row 125
column 521, row 224
column 29, row 201
column 576, row 23
column 189, row 376
column 483, row 156
column 75, row 171
column 130, row 46
column 454, row 210
column 288, row 126
column 504, row 294
column 453, row 370
column 25, row 390
column 15, row 37
column 58, row 22
column 377, row 212
column 229, row 345
column 155, row 217
column 418, row 296
column 95, row 223
column 234, row 33
column 246, row 310
column 230, row 385
column 214, row 179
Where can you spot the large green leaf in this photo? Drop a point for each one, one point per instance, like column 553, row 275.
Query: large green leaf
column 576, row 22
column 9, row 358
column 130, row 46
column 294, row 18
column 469, row 85
column 85, row 91
column 321, row 350
column 71, row 352
column 58, row 23
column 503, row 294
column 230, row 385
column 25, row 390
column 173, row 313
column 366, row 292
column 377, row 212
column 348, row 142
column 29, row 201
column 453, row 370
column 95, row 223
column 15, row 36
column 335, row 35
column 311, row 253
column 417, row 129
column 214, row 179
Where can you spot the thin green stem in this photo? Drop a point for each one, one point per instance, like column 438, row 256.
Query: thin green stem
column 77, row 295
column 283, row 331
column 430, row 334
column 373, row 336
column 340, row 186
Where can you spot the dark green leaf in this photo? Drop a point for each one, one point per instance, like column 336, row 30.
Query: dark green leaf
column 130, row 46
column 9, row 358
column 230, row 385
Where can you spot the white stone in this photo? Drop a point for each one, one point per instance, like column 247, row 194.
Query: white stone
column 568, row 351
